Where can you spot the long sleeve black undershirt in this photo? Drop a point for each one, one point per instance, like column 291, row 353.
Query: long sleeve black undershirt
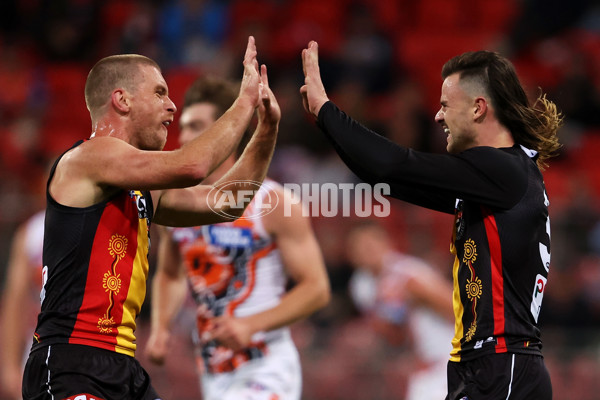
column 493, row 177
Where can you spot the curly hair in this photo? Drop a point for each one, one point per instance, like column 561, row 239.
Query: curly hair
column 533, row 126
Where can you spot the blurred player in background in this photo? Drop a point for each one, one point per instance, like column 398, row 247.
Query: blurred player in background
column 20, row 302
column 237, row 273
column 407, row 302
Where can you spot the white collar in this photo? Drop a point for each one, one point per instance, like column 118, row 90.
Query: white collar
column 529, row 152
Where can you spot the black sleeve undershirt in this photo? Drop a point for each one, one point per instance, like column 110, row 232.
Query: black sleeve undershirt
column 486, row 175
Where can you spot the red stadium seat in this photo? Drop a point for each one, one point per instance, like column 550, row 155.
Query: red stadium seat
column 424, row 53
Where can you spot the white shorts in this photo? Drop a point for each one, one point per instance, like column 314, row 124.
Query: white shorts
column 429, row 384
column 276, row 376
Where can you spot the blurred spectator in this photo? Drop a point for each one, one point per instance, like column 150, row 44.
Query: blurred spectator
column 10, row 19
column 340, row 310
column 21, row 153
column 408, row 121
column 540, row 19
column 298, row 21
column 23, row 84
column 578, row 99
column 572, row 227
column 366, row 53
column 139, row 32
column 67, row 30
column 193, row 32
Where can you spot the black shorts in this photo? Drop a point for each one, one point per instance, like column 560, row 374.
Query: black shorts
column 499, row 376
column 69, row 371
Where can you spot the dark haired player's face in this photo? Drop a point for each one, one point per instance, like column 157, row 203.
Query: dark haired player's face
column 152, row 110
column 194, row 120
column 456, row 116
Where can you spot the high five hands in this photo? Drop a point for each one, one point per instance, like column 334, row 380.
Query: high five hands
column 313, row 92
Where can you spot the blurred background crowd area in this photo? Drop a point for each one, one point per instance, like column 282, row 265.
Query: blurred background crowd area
column 381, row 63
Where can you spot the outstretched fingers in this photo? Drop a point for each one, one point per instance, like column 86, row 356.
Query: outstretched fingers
column 268, row 107
column 263, row 75
column 312, row 92
column 263, row 87
column 250, row 61
column 251, row 77
column 250, row 55
column 310, row 59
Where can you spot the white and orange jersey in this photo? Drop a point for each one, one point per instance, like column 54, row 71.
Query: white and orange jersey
column 33, row 245
column 387, row 297
column 233, row 268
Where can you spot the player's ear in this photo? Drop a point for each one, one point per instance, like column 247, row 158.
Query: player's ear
column 120, row 100
column 480, row 108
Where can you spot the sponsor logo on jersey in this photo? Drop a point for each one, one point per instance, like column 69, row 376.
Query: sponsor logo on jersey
column 459, row 223
column 140, row 203
column 227, row 236
column 83, row 396
column 479, row 344
column 538, row 296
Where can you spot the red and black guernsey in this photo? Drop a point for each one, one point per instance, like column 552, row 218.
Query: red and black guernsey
column 501, row 236
column 95, row 270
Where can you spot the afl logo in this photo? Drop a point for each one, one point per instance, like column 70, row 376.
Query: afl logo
column 228, row 197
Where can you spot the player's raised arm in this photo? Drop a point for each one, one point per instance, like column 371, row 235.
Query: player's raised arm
column 131, row 120
column 197, row 205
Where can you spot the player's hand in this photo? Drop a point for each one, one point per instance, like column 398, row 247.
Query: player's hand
column 268, row 108
column 157, row 346
column 313, row 92
column 251, row 77
column 230, row 332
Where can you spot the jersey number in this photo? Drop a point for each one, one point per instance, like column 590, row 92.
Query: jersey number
column 540, row 280
column 44, row 280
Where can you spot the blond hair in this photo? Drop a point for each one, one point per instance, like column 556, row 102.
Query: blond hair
column 118, row 71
